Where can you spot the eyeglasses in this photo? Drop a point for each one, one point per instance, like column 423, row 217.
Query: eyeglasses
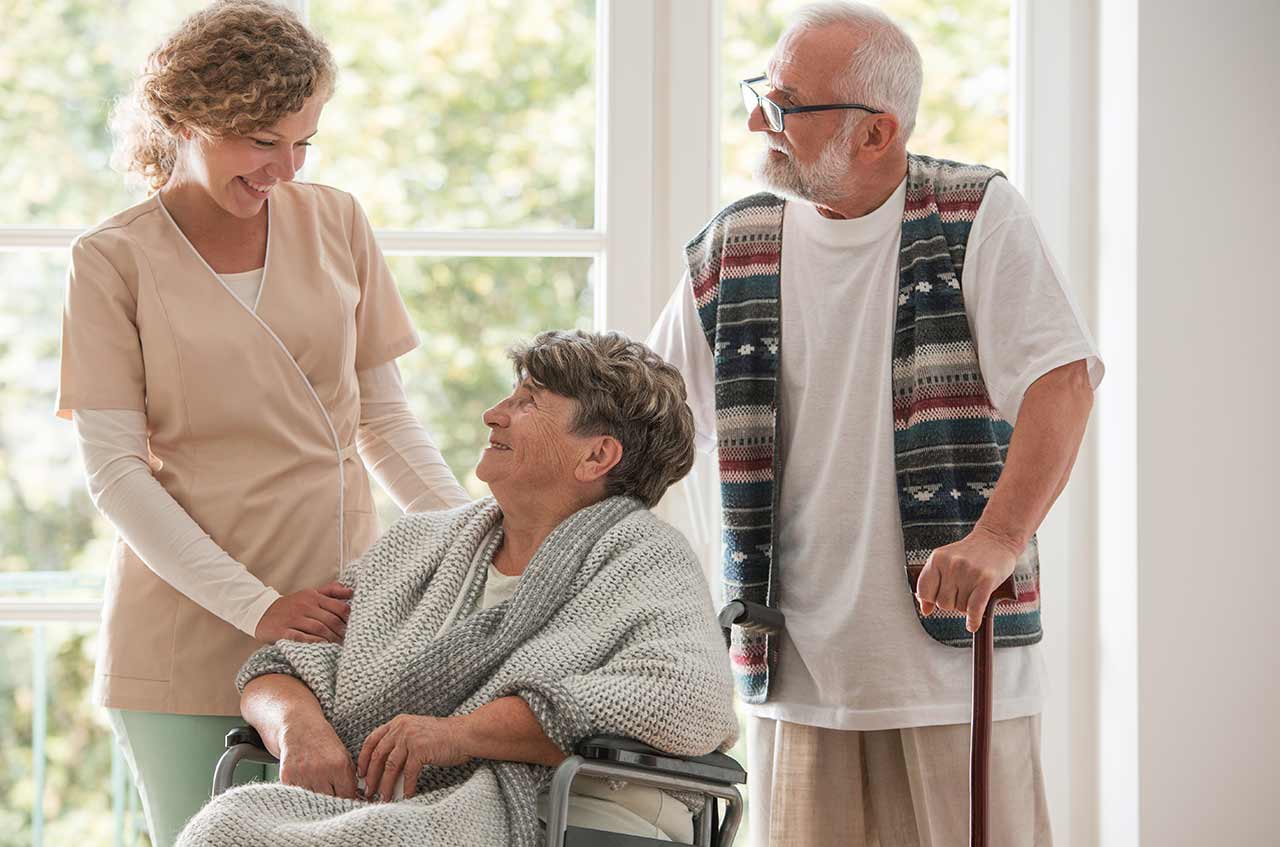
column 775, row 115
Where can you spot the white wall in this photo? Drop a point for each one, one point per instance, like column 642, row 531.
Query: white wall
column 1188, row 289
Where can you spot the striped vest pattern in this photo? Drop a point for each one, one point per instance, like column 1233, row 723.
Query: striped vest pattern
column 949, row 440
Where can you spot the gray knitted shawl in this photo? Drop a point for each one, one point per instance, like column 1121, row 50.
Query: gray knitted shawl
column 609, row 631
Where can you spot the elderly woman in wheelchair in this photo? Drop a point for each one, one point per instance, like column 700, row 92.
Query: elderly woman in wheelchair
column 485, row 643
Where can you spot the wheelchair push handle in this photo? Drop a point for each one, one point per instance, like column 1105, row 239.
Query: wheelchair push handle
column 755, row 618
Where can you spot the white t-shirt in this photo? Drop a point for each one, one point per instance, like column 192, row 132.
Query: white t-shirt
column 854, row 655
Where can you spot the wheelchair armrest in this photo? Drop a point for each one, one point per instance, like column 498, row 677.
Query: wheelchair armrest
column 714, row 767
column 244, row 735
column 243, row 744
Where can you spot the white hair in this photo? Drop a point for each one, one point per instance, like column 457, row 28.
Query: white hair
column 884, row 70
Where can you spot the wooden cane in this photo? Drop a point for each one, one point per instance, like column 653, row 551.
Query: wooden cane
column 980, row 723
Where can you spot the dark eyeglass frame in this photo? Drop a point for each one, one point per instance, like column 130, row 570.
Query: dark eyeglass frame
column 775, row 115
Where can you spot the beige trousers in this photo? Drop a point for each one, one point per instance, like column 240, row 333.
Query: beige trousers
column 815, row 787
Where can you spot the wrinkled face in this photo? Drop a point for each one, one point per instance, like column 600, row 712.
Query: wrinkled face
column 531, row 451
column 239, row 171
column 810, row 158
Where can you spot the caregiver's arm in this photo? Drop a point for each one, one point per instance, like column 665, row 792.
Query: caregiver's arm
column 113, row 446
column 504, row 730
column 294, row 729
column 398, row 449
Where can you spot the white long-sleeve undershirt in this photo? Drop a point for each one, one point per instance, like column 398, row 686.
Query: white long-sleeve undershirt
column 398, row 450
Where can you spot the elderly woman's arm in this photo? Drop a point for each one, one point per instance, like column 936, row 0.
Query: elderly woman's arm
column 507, row 730
column 665, row 680
column 294, row 729
column 504, row 730
column 286, row 689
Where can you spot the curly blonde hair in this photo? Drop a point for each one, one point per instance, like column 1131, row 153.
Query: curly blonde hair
column 232, row 68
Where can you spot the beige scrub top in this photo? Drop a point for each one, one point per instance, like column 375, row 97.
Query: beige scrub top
column 251, row 417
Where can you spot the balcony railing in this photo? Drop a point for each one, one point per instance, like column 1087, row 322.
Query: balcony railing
column 59, row 609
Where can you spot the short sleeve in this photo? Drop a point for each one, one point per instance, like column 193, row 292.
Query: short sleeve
column 101, row 365
column 1021, row 313
column 384, row 331
column 678, row 338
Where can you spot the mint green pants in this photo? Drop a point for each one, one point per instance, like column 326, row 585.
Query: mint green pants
column 172, row 759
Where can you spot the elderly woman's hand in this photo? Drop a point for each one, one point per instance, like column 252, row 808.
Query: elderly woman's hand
column 405, row 745
column 313, row 757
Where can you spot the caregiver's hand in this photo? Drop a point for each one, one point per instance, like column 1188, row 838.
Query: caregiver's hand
column 313, row 614
column 406, row 744
column 312, row 757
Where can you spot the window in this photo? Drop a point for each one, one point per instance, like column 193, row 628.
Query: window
column 480, row 117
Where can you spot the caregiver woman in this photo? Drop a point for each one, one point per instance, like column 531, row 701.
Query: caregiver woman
column 228, row 357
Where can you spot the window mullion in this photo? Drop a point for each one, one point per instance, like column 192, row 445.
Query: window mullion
column 625, row 175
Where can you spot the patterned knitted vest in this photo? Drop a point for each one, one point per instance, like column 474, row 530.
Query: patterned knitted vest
column 949, row 440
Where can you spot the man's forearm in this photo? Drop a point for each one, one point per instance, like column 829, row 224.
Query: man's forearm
column 1046, row 439
column 275, row 703
column 507, row 730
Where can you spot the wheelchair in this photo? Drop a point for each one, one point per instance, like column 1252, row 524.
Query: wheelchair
column 715, row 777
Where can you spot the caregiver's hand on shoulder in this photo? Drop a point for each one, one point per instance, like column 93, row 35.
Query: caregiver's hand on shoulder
column 406, row 744
column 961, row 577
column 312, row 757
column 313, row 614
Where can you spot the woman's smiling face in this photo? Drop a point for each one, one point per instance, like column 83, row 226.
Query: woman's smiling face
column 532, row 451
column 239, row 171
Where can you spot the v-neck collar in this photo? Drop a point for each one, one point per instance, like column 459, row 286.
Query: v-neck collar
column 266, row 262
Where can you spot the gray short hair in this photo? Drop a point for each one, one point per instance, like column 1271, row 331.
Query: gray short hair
column 884, row 71
column 622, row 389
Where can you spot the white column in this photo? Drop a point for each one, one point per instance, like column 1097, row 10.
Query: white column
column 1117, row 434
column 1052, row 156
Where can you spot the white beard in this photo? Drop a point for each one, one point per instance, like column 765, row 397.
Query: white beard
column 821, row 182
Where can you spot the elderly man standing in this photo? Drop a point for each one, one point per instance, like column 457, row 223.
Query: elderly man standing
column 898, row 395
